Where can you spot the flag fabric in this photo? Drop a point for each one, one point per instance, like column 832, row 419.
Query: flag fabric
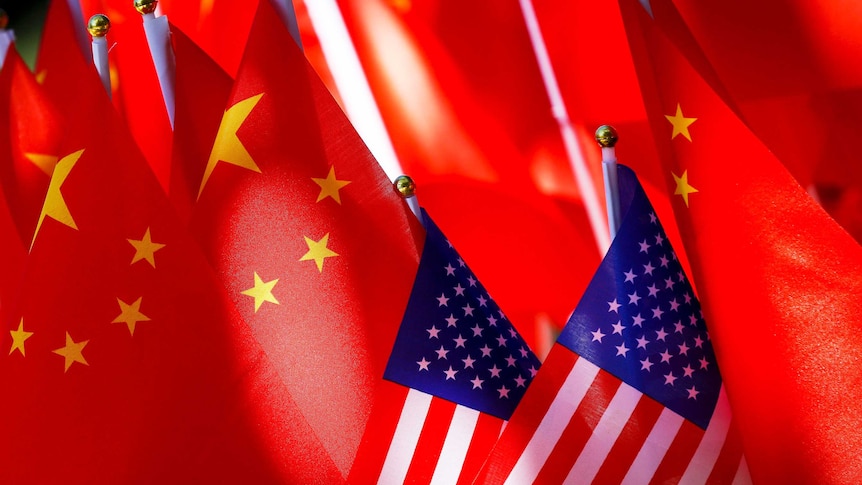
column 127, row 361
column 456, row 373
column 631, row 391
column 780, row 276
column 306, row 233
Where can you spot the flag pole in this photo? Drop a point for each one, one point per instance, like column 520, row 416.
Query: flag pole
column 288, row 16
column 606, row 136
column 98, row 27
column 158, row 35
column 407, row 188
column 7, row 37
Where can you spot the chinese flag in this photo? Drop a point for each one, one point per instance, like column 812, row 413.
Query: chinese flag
column 778, row 278
column 124, row 361
column 307, row 235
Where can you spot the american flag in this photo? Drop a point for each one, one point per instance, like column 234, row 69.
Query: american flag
column 457, row 371
column 631, row 392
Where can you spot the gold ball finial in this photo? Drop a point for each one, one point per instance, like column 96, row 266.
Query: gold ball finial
column 99, row 25
column 4, row 19
column 146, row 6
column 405, row 186
column 606, row 136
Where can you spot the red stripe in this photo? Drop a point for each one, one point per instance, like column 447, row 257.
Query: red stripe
column 529, row 413
column 679, row 454
column 728, row 459
column 389, row 399
column 430, row 441
column 484, row 437
column 579, row 429
column 630, row 441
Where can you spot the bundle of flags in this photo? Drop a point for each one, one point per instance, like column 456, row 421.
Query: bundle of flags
column 207, row 273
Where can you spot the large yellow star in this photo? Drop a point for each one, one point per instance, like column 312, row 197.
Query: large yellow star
column 145, row 248
column 72, row 352
column 318, row 251
column 55, row 206
column 227, row 146
column 680, row 123
column 131, row 314
column 45, row 163
column 261, row 291
column 330, row 186
column 682, row 186
column 18, row 338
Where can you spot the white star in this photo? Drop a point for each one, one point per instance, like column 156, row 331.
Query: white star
column 450, row 270
column 630, row 276
column 669, row 378
column 441, row 353
column 471, row 280
column 511, row 361
column 642, row 342
column 687, row 370
column 668, row 282
column 680, row 276
column 468, row 310
column 468, row 362
column 614, row 306
column 674, row 305
column 450, row 374
column 692, row 393
column 598, row 335
column 703, row 363
column 504, row 392
column 482, row 300
column 461, row 262
column 652, row 218
column 698, row 342
column 495, row 372
column 634, row 298
column 659, row 239
column 661, row 334
column 451, row 321
column 678, row 327
column 432, row 332
column 492, row 321
column 687, row 297
column 477, row 383
column 644, row 246
column 663, row 260
column 524, row 352
column 486, row 351
column 683, row 349
column 692, row 320
column 459, row 290
column 653, row 291
column 533, row 371
column 648, row 268
column 638, row 320
column 622, row 349
column 520, row 382
column 459, row 342
column 477, row 330
column 657, row 312
column 423, row 364
column 501, row 341
column 665, row 356
column 442, row 300
column 618, row 327
column 646, row 364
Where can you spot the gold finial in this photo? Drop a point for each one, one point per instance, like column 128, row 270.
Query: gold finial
column 99, row 25
column 405, row 186
column 606, row 136
column 146, row 6
column 4, row 19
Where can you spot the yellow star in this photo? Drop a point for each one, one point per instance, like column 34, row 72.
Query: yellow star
column 261, row 291
column 680, row 123
column 18, row 338
column 40, row 76
column 55, row 206
column 72, row 352
column 145, row 248
column 330, row 186
column 45, row 163
column 131, row 314
column 682, row 186
column 318, row 251
column 227, row 146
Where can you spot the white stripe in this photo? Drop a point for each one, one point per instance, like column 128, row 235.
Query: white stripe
column 605, row 434
column 406, row 436
column 359, row 103
column 743, row 477
column 707, row 452
column 554, row 422
column 558, row 108
column 455, row 446
column 654, row 448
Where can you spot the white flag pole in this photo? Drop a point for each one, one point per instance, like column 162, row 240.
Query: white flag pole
column 158, row 35
column 606, row 136
column 558, row 109
column 407, row 188
column 7, row 37
column 98, row 27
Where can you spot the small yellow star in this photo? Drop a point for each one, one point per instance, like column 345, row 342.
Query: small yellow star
column 40, row 76
column 261, row 291
column 318, row 251
column 55, row 206
column 145, row 248
column 680, row 123
column 18, row 338
column 72, row 352
column 45, row 163
column 131, row 314
column 682, row 186
column 227, row 146
column 330, row 186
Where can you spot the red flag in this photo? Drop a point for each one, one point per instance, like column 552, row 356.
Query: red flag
column 779, row 278
column 307, row 235
column 631, row 391
column 127, row 361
